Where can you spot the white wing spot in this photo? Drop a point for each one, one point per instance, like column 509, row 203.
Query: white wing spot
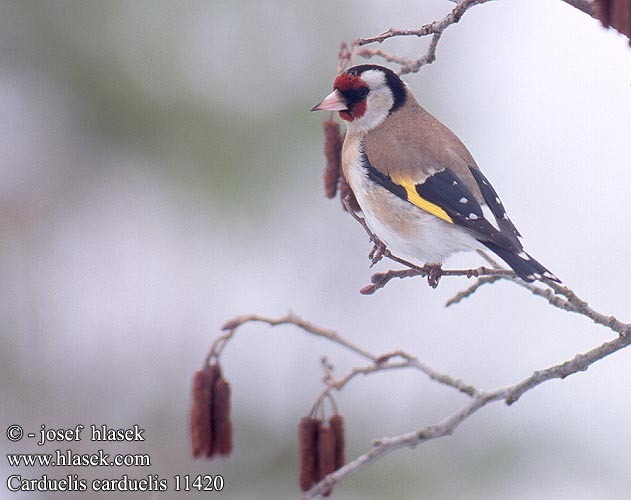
column 472, row 216
column 464, row 200
column 497, row 200
column 488, row 215
column 454, row 183
column 524, row 255
column 505, row 216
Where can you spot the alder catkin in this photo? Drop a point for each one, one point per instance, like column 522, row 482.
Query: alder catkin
column 308, row 437
column 336, row 423
column 326, row 453
column 221, row 423
column 333, row 153
column 615, row 13
column 200, row 414
column 603, row 11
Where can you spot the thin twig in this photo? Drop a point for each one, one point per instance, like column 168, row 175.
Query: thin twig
column 339, row 384
column 290, row 319
column 435, row 29
column 467, row 292
column 383, row 362
column 379, row 280
column 573, row 303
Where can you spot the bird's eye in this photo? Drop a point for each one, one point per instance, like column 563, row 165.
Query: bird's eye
column 355, row 95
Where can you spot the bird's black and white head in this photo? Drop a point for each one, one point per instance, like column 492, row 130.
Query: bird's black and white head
column 365, row 95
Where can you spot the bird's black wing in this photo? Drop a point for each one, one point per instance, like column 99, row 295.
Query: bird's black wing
column 444, row 195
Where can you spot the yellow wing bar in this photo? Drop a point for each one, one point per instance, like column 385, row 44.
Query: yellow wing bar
column 422, row 203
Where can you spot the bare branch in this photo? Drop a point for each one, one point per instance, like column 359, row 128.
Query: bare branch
column 573, row 303
column 408, row 362
column 381, row 362
column 435, row 29
column 379, row 280
column 466, row 293
column 449, row 424
column 289, row 319
column 432, row 28
column 557, row 295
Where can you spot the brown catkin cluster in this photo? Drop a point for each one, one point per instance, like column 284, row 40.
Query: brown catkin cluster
column 615, row 13
column 333, row 152
column 211, row 427
column 333, row 173
column 321, row 449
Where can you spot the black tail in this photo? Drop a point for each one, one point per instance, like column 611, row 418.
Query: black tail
column 523, row 264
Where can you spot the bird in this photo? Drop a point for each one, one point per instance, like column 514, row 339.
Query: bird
column 418, row 186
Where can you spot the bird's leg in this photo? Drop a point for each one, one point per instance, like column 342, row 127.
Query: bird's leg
column 434, row 272
column 377, row 252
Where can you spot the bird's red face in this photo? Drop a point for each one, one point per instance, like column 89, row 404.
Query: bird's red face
column 354, row 90
column 365, row 95
column 348, row 97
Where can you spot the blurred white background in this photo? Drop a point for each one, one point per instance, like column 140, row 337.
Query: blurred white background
column 160, row 173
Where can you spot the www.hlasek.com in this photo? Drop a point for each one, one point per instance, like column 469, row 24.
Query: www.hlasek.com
column 68, row 458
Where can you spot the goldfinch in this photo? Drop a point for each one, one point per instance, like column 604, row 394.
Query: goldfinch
column 418, row 186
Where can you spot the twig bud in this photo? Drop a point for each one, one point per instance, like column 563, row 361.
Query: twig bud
column 230, row 325
column 368, row 289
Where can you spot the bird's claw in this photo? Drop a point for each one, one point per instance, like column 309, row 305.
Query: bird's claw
column 434, row 272
column 376, row 254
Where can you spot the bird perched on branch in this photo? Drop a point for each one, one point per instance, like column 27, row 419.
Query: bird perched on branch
column 419, row 188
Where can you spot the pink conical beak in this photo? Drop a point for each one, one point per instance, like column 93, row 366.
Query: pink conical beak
column 333, row 102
